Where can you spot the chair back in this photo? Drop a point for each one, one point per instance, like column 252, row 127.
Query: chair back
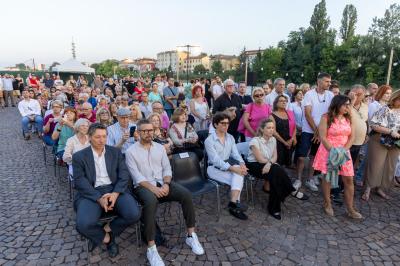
column 243, row 149
column 186, row 171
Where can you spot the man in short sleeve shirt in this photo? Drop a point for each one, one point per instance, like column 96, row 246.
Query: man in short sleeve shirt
column 316, row 103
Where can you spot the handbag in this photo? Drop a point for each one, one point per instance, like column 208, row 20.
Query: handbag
column 241, row 127
column 185, row 146
column 389, row 142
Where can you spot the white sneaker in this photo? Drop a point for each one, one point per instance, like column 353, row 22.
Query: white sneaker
column 194, row 243
column 297, row 184
column 311, row 185
column 316, row 180
column 153, row 257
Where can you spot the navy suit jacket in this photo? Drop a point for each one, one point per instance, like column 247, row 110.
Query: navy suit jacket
column 84, row 172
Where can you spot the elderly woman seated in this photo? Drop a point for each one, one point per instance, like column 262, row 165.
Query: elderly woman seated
column 78, row 142
column 183, row 135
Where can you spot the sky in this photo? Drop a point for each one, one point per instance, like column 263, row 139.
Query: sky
column 104, row 29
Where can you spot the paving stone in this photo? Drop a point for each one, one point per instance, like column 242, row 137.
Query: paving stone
column 37, row 223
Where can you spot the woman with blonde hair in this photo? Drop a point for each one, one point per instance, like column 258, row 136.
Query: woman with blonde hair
column 254, row 113
column 103, row 117
column 160, row 134
column 136, row 114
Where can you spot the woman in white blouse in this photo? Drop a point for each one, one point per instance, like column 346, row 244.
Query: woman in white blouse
column 78, row 142
column 262, row 159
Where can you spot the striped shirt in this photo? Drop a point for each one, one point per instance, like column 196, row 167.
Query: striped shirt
column 114, row 136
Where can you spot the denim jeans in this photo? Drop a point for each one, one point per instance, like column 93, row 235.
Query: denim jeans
column 38, row 122
column 361, row 167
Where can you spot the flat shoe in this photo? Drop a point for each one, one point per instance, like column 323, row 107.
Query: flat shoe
column 354, row 214
column 329, row 211
column 300, row 195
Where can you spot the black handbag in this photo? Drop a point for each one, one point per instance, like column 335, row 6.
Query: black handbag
column 388, row 141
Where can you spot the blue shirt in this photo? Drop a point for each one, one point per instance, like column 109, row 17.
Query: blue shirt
column 218, row 152
column 114, row 136
column 93, row 102
column 168, row 91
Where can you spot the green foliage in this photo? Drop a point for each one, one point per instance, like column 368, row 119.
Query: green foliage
column 349, row 21
column 216, row 67
column 200, row 69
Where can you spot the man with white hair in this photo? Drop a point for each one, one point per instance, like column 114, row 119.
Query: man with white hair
column 290, row 88
column 279, row 87
column 226, row 100
column 88, row 112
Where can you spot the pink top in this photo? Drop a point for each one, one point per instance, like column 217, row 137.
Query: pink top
column 165, row 121
column 337, row 135
column 256, row 114
column 292, row 122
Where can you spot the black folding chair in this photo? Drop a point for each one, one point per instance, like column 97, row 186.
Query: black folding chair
column 187, row 172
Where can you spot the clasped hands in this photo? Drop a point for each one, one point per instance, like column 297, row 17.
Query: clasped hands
column 108, row 200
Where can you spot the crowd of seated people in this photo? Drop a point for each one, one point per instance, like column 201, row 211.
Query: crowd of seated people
column 117, row 138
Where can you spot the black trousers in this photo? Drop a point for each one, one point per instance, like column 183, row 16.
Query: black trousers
column 149, row 202
column 89, row 212
column 280, row 184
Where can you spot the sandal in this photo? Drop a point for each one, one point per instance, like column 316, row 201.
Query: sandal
column 382, row 194
column 299, row 195
column 365, row 196
column 328, row 210
column 397, row 181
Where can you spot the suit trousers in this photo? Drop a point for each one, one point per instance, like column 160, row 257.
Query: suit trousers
column 89, row 212
column 149, row 202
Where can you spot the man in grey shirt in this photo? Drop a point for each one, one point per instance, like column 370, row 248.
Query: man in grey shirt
column 170, row 94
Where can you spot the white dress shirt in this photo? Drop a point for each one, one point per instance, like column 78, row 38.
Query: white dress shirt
column 148, row 164
column 29, row 107
column 102, row 177
column 270, row 98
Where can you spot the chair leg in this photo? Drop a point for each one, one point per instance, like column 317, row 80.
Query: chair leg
column 218, row 204
column 44, row 154
column 87, row 251
column 251, row 192
column 55, row 167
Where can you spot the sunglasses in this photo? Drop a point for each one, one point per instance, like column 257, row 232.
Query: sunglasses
column 258, row 95
column 224, row 123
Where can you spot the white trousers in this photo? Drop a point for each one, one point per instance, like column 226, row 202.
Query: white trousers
column 232, row 179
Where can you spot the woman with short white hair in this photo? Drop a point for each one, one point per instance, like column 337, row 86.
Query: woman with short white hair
column 78, row 142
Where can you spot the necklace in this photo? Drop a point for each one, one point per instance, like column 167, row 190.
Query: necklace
column 319, row 100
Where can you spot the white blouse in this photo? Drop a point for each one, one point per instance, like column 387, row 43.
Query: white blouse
column 73, row 145
column 267, row 148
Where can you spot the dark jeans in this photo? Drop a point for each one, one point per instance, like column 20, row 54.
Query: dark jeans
column 354, row 151
column 89, row 212
column 48, row 140
column 149, row 202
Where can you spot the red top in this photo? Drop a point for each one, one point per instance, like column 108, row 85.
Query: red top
column 92, row 119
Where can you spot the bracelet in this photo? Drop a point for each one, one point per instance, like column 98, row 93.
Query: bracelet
column 58, row 129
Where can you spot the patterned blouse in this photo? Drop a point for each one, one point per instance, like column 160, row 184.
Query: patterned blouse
column 386, row 117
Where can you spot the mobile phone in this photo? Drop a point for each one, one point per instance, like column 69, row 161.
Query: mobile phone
column 132, row 131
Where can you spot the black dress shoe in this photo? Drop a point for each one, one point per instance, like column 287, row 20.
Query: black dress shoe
column 238, row 205
column 276, row 215
column 112, row 247
column 236, row 211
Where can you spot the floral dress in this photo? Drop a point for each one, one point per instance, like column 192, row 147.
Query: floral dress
column 338, row 134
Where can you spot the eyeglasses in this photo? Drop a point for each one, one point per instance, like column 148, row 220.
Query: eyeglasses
column 85, row 109
column 258, row 95
column 367, row 95
column 224, row 123
column 146, row 131
column 282, row 101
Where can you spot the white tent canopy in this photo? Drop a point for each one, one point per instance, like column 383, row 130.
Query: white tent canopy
column 73, row 66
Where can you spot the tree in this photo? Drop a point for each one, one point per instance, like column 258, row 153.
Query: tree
column 349, row 21
column 388, row 27
column 21, row 66
column 216, row 67
column 199, row 69
column 320, row 21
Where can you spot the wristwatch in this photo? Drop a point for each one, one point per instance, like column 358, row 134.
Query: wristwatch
column 168, row 183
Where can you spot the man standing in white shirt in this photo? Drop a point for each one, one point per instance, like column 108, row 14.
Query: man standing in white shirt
column 8, row 90
column 279, row 87
column 151, row 172
column 316, row 103
column 218, row 88
column 31, row 113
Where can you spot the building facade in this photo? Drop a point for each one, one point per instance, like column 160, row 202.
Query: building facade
column 228, row 62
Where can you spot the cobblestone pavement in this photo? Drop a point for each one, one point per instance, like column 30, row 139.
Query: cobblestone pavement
column 37, row 223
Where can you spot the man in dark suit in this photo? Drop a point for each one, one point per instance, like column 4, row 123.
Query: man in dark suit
column 101, row 180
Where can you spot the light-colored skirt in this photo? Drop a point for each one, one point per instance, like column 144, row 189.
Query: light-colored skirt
column 381, row 163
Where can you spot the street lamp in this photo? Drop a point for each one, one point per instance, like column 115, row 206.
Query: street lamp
column 187, row 46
